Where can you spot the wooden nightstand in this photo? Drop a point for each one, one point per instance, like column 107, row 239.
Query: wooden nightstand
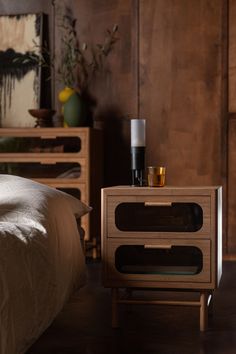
column 162, row 238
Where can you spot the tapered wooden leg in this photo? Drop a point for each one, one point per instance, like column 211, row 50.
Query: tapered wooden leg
column 114, row 314
column 203, row 311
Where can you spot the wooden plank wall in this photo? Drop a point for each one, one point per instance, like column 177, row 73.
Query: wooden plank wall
column 24, row 6
column 180, row 92
column 182, row 89
column 114, row 90
column 231, row 220
column 170, row 67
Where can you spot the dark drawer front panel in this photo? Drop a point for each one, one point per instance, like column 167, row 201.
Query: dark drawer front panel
column 168, row 215
column 40, row 145
column 159, row 260
column 172, row 217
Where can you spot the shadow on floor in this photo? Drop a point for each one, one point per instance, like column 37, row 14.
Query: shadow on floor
column 84, row 325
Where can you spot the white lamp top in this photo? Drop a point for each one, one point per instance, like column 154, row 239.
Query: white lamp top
column 138, row 132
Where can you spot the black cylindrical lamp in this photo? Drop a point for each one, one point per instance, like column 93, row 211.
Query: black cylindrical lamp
column 138, row 144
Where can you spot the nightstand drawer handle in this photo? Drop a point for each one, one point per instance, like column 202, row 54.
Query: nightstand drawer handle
column 157, row 203
column 48, row 162
column 166, row 247
column 48, row 137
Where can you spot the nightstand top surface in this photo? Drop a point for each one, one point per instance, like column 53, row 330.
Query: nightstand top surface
column 166, row 190
column 167, row 187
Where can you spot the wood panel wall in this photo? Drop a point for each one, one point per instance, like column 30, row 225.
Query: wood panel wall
column 114, row 90
column 231, row 219
column 170, row 66
column 232, row 56
column 181, row 85
column 24, row 6
column 182, row 89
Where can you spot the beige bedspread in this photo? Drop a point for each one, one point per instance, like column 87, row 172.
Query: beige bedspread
column 41, row 259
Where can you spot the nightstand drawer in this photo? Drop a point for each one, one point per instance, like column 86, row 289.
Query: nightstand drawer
column 160, row 261
column 154, row 216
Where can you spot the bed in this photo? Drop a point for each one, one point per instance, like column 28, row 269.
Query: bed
column 41, row 258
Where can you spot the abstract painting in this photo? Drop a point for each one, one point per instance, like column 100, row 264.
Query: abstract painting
column 21, row 35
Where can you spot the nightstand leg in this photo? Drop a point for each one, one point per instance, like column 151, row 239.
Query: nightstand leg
column 114, row 297
column 203, row 311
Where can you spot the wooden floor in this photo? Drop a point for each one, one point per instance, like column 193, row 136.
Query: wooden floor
column 84, row 324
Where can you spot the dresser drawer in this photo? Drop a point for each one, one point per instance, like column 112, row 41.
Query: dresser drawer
column 161, row 262
column 32, row 142
column 51, row 168
column 158, row 216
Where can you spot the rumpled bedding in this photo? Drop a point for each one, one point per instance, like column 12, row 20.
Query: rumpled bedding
column 41, row 258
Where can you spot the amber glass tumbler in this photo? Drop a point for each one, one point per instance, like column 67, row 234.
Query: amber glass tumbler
column 156, row 176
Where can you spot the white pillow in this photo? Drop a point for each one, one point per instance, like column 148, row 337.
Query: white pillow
column 34, row 196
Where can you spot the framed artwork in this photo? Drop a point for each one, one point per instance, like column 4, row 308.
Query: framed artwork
column 20, row 78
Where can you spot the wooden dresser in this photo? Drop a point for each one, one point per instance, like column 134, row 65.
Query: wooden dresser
column 162, row 238
column 69, row 159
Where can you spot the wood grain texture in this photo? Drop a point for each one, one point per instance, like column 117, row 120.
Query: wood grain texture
column 140, row 280
column 24, row 6
column 231, row 244
column 207, row 239
column 180, row 88
column 141, row 197
column 202, row 304
column 170, row 67
column 88, row 183
column 232, row 56
column 114, row 91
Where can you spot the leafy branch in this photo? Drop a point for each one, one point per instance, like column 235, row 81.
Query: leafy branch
column 78, row 64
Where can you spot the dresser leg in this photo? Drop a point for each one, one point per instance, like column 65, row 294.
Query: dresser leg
column 203, row 311
column 114, row 314
column 94, row 245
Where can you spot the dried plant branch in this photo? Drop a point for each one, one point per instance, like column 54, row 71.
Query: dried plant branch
column 77, row 64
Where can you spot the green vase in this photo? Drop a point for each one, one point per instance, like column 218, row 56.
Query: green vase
column 75, row 111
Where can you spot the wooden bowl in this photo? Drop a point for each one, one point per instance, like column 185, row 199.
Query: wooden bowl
column 43, row 116
column 42, row 113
